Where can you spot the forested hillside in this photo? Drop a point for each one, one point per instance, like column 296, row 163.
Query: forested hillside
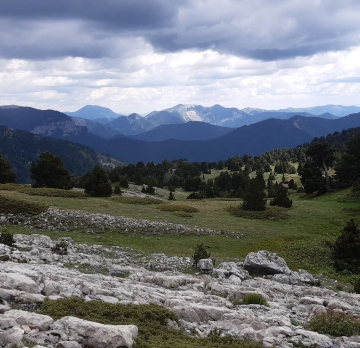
column 21, row 148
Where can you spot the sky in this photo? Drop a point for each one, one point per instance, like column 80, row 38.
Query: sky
column 145, row 55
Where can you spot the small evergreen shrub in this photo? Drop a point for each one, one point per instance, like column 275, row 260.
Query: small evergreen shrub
column 200, row 253
column 171, row 196
column 117, row 190
column 151, row 320
column 7, row 238
column 137, row 200
column 60, row 248
column 300, row 190
column 357, row 286
column 281, row 198
column 195, row 195
column 335, row 324
column 178, row 207
column 254, row 299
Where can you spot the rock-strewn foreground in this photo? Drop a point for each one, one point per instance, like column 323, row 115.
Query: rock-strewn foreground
column 203, row 302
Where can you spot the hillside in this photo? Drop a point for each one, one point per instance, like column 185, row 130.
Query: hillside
column 20, row 148
column 253, row 140
column 186, row 131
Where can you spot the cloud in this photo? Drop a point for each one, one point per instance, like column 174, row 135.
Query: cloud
column 260, row 29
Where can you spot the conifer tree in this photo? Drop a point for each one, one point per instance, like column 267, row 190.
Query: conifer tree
column 6, row 175
column 97, row 183
column 281, row 198
column 254, row 197
column 346, row 249
column 49, row 171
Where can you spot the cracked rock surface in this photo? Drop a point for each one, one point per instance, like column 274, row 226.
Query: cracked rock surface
column 203, row 302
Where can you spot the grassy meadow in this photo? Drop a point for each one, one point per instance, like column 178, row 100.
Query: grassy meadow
column 300, row 234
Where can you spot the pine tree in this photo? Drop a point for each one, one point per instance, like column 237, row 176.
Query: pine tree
column 323, row 157
column 254, row 197
column 346, row 249
column 6, row 175
column 49, row 171
column 281, row 198
column 97, row 183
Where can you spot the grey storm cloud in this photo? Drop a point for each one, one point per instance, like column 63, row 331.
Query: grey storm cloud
column 260, row 29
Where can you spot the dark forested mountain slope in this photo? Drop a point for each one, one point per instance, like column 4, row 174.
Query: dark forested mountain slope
column 253, row 139
column 20, row 148
column 185, row 131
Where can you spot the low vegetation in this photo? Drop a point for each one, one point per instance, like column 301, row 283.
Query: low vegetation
column 272, row 213
column 335, row 324
column 52, row 192
column 16, row 206
column 151, row 320
column 178, row 207
column 137, row 200
column 7, row 237
column 249, row 299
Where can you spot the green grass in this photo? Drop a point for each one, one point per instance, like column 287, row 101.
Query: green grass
column 300, row 237
column 9, row 205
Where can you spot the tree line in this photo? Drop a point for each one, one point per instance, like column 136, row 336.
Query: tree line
column 314, row 163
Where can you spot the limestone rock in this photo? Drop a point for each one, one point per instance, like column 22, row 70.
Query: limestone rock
column 18, row 281
column 33, row 320
column 231, row 268
column 95, row 335
column 205, row 266
column 264, row 262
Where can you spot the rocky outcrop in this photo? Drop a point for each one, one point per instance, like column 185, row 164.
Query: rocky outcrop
column 264, row 262
column 95, row 335
column 203, row 302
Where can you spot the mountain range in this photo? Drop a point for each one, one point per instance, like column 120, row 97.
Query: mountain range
column 196, row 141
column 106, row 123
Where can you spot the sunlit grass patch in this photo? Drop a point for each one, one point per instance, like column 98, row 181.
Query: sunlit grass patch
column 10, row 205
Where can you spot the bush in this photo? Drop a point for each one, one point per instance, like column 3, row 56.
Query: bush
column 346, row 249
column 254, row 299
column 178, row 207
column 17, row 206
column 195, row 195
column 335, row 324
column 124, row 182
column 137, row 200
column 171, row 196
column 357, row 286
column 151, row 320
column 60, row 248
column 52, row 192
column 117, row 190
column 7, row 238
column 200, row 253
column 281, row 198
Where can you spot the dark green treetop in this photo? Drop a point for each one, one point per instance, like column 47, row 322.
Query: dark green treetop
column 97, row 183
column 6, row 175
column 49, row 171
